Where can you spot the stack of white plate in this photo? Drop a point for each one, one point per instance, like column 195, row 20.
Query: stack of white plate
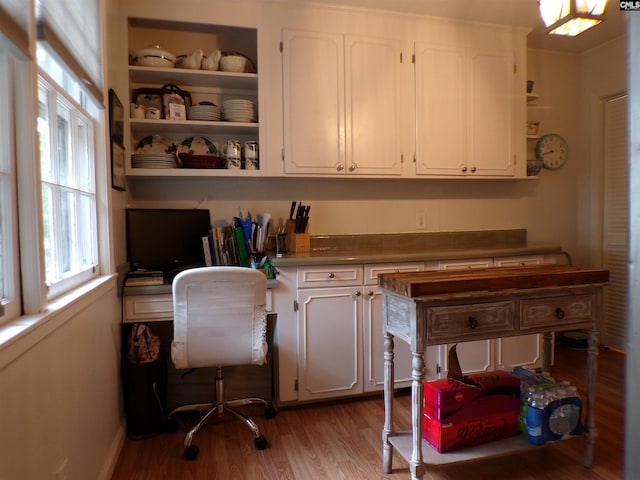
column 238, row 110
column 205, row 112
column 154, row 160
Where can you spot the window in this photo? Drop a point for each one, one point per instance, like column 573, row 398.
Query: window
column 9, row 274
column 66, row 127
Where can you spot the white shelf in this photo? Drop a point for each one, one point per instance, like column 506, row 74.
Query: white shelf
column 150, row 173
column 192, row 126
column 403, row 443
column 193, row 78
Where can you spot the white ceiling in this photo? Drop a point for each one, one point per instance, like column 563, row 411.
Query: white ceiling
column 523, row 13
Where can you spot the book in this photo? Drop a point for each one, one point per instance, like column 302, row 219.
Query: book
column 140, row 281
column 206, row 247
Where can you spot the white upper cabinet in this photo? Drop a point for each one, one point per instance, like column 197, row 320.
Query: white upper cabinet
column 340, row 104
column 314, row 119
column 468, row 105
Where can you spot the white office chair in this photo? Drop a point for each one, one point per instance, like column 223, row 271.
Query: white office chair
column 220, row 320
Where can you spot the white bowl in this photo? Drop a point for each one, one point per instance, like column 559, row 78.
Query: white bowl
column 233, row 63
column 153, row 56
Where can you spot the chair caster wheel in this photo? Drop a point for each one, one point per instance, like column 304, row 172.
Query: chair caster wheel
column 269, row 411
column 191, row 452
column 260, row 442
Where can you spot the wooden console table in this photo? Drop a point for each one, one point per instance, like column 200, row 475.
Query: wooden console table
column 438, row 307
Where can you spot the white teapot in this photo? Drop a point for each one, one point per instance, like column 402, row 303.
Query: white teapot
column 210, row 62
column 190, row 61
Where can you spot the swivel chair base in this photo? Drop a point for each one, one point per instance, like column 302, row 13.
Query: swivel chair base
column 219, row 407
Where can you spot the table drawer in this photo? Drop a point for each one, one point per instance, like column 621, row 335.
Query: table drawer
column 462, row 322
column 138, row 308
column 558, row 312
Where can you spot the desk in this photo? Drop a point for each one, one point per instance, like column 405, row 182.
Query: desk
column 153, row 304
column 432, row 308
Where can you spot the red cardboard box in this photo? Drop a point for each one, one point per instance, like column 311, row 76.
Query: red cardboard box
column 486, row 394
column 449, row 436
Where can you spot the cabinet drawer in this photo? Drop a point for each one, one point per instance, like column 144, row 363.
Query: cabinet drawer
column 371, row 271
column 558, row 312
column 148, row 307
column 459, row 323
column 330, row 276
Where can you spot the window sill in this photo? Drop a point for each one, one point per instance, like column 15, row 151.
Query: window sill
column 22, row 334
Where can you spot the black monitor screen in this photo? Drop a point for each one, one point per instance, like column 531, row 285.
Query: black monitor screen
column 165, row 239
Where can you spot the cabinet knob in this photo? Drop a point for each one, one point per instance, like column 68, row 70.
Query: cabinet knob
column 357, row 293
column 473, row 323
column 332, row 275
column 473, row 169
column 464, row 169
column 370, row 293
column 352, row 168
column 559, row 313
column 339, row 167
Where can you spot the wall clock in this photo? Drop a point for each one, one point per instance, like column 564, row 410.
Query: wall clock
column 552, row 149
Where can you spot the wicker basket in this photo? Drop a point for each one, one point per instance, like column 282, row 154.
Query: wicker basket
column 201, row 161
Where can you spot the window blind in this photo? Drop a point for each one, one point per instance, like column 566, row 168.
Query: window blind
column 71, row 30
column 14, row 23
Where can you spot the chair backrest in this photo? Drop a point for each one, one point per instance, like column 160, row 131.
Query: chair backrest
column 219, row 317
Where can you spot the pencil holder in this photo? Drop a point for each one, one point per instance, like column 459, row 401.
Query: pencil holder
column 297, row 242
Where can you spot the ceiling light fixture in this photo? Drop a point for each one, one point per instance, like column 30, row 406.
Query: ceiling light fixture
column 571, row 17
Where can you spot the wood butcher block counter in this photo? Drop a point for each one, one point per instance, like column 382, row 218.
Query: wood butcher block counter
column 439, row 307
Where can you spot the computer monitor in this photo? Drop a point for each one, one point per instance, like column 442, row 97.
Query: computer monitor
column 166, row 239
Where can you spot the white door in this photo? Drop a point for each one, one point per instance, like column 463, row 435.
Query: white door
column 314, row 117
column 329, row 342
column 491, row 116
column 616, row 221
column 372, row 105
column 441, row 128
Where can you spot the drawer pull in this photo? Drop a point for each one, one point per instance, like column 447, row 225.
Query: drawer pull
column 473, row 323
column 559, row 313
column 332, row 275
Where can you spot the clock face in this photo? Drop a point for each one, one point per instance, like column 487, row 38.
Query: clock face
column 552, row 150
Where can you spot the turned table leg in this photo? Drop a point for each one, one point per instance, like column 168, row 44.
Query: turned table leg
column 592, row 374
column 417, row 393
column 387, row 449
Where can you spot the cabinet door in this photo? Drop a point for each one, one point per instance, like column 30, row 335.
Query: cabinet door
column 491, row 121
column 372, row 79
column 464, row 111
column 440, row 110
column 476, row 356
column 524, row 350
column 329, row 342
column 313, row 82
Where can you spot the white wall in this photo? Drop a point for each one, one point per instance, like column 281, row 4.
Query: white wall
column 60, row 399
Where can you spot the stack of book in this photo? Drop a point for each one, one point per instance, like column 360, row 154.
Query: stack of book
column 235, row 244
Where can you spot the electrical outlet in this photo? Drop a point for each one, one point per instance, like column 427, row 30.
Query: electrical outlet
column 421, row 221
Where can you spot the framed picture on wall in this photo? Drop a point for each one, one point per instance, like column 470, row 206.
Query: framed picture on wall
column 118, row 180
column 116, row 118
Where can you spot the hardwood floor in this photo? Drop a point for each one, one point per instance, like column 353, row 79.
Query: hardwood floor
column 342, row 441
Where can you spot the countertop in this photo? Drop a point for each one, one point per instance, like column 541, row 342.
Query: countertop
column 381, row 248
